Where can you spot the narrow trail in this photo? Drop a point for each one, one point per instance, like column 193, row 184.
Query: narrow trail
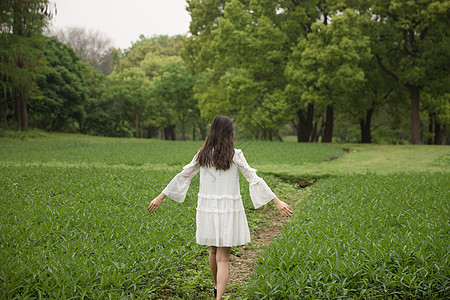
column 242, row 264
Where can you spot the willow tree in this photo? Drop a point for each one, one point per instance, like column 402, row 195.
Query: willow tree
column 22, row 23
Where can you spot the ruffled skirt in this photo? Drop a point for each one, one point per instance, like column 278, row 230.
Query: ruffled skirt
column 221, row 221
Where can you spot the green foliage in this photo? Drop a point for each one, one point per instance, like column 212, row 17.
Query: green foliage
column 273, row 66
column 302, row 57
column 20, row 54
column 242, row 65
column 161, row 45
column 173, row 93
column 326, row 67
column 417, row 33
column 129, row 92
column 362, row 237
column 149, row 90
column 411, row 46
column 63, row 89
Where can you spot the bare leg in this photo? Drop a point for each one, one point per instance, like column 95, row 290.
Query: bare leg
column 213, row 264
column 222, row 258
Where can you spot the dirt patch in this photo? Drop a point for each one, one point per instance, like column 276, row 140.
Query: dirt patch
column 336, row 157
column 242, row 264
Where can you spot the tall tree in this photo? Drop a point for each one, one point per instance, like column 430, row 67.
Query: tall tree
column 161, row 45
column 152, row 56
column 174, row 91
column 129, row 90
column 93, row 46
column 205, row 14
column 61, row 101
column 241, row 48
column 22, row 23
column 413, row 47
column 438, row 108
column 326, row 68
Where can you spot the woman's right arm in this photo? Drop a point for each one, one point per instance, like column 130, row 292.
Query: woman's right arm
column 155, row 203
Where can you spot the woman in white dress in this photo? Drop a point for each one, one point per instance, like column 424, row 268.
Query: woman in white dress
column 221, row 220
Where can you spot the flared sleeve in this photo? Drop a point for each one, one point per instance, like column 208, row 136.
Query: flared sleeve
column 260, row 193
column 178, row 186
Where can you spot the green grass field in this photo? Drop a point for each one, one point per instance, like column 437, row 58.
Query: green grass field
column 74, row 223
column 363, row 236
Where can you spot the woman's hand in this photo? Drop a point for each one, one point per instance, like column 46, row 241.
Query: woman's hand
column 283, row 208
column 154, row 205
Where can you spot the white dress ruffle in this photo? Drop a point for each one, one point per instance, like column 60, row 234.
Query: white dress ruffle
column 221, row 219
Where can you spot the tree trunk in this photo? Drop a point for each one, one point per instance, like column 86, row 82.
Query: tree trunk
column 23, row 112
column 305, row 124
column 415, row 117
column 136, row 122
column 202, row 132
column 193, row 133
column 365, row 124
column 169, row 132
column 431, row 122
column 172, row 133
column 440, row 137
column 328, row 134
column 183, row 136
column 314, row 131
column 17, row 97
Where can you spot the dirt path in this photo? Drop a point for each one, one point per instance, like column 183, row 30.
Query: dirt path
column 242, row 264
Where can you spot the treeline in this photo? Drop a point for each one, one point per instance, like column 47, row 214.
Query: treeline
column 78, row 86
column 316, row 61
column 355, row 71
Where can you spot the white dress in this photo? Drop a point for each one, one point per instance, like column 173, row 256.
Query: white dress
column 221, row 219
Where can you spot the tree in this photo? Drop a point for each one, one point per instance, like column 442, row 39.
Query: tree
column 438, row 108
column 93, row 46
column 161, row 45
column 173, row 89
column 129, row 90
column 413, row 47
column 197, row 52
column 253, row 42
column 63, row 89
column 228, row 52
column 158, row 58
column 22, row 23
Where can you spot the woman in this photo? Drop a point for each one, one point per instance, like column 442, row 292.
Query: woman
column 221, row 220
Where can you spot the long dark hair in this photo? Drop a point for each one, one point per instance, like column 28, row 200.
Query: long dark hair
column 218, row 149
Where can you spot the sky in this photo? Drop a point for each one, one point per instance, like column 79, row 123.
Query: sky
column 123, row 21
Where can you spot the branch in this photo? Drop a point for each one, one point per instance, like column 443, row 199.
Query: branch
column 424, row 33
column 385, row 69
column 375, row 127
